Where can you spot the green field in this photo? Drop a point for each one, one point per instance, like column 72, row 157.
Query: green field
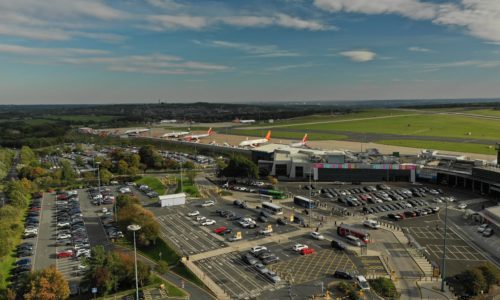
column 336, row 117
column 436, row 145
column 288, row 135
column 154, row 183
column 420, row 125
column 484, row 112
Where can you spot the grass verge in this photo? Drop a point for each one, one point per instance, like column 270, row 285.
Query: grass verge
column 154, row 183
column 437, row 145
column 276, row 134
column 172, row 290
column 181, row 270
column 6, row 264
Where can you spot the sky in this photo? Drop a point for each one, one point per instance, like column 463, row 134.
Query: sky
column 143, row 51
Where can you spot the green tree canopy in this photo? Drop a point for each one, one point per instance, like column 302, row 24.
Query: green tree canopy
column 240, row 166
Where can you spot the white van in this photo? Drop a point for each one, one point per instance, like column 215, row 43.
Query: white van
column 353, row 240
column 363, row 284
column 371, row 224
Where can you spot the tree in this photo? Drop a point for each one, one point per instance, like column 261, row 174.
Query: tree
column 240, row 166
column 473, row 281
column 47, row 284
column 491, row 274
column 28, row 157
column 79, row 161
column 68, row 173
column 135, row 161
column 147, row 154
column 188, row 165
column 122, row 167
column 272, row 180
column 106, row 176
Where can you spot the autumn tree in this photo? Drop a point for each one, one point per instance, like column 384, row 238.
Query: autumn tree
column 47, row 284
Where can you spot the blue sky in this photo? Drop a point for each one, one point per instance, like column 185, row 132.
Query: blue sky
column 124, row 51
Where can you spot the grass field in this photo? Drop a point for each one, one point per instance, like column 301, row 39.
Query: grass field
column 288, row 135
column 337, row 117
column 421, row 125
column 484, row 112
column 154, row 183
column 436, row 145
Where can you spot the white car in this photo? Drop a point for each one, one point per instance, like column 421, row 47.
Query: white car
column 317, row 236
column 62, row 236
column 258, row 249
column 299, row 247
column 462, row 206
column 208, row 203
column 193, row 213
column 371, row 224
column 83, row 252
column 208, row 222
column 200, row 218
column 482, row 228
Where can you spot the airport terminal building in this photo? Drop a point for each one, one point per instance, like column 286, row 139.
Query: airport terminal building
column 288, row 163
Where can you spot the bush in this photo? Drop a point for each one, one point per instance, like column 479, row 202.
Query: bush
column 384, row 287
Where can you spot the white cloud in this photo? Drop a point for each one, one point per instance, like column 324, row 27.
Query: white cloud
column 166, row 4
column 359, row 55
column 254, row 50
column 409, row 8
column 296, row 23
column 170, row 22
column 288, row 67
column 33, row 51
column 480, row 18
column 247, row 21
column 181, row 21
column 418, row 49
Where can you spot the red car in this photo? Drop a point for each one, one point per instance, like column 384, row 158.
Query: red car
column 307, row 251
column 65, row 253
column 62, row 197
column 34, row 208
column 220, row 230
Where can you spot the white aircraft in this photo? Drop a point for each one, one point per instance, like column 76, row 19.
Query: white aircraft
column 197, row 137
column 168, row 121
column 175, row 134
column 244, row 121
column 136, row 131
column 300, row 144
column 253, row 143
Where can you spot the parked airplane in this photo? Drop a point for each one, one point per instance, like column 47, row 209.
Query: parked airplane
column 300, row 144
column 175, row 134
column 254, row 143
column 243, row 121
column 197, row 137
column 136, row 130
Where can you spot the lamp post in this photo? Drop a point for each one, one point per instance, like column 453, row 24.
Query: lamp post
column 134, row 228
column 98, row 176
column 443, row 271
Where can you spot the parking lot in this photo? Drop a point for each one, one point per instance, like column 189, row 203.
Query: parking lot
column 190, row 237
column 429, row 234
column 238, row 279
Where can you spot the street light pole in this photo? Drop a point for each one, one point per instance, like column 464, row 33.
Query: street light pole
column 443, row 271
column 134, row 228
column 98, row 176
column 310, row 198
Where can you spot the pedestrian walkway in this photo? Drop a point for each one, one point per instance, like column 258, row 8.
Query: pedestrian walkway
column 238, row 246
column 431, row 289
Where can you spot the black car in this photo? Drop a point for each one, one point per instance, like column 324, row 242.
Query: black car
column 338, row 245
column 249, row 259
column 282, row 221
column 24, row 253
column 343, row 275
column 262, row 219
column 394, row 217
column 25, row 246
column 270, row 260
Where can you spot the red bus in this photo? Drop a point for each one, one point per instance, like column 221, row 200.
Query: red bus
column 345, row 230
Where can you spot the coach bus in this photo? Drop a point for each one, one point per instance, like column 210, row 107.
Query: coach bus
column 345, row 230
column 274, row 193
column 304, row 202
column 272, row 208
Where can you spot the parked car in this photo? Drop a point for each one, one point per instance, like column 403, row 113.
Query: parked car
column 482, row 228
column 338, row 245
column 65, row 253
column 220, row 230
column 371, row 224
column 208, row 203
column 307, row 251
column 258, row 249
column 343, row 275
column 317, row 236
column 207, row 222
column 488, row 232
column 250, row 259
column 299, row 247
